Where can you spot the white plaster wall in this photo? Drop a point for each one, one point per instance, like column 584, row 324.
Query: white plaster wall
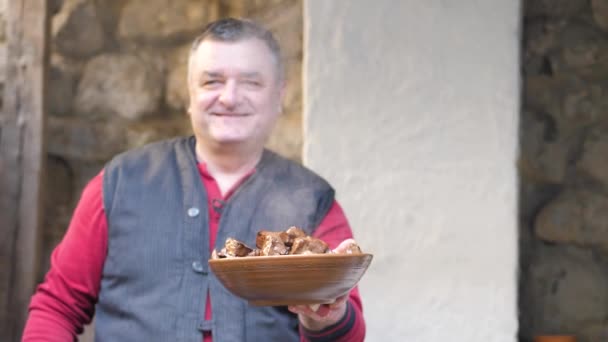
column 411, row 112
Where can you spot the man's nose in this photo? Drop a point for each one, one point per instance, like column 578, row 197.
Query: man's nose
column 229, row 97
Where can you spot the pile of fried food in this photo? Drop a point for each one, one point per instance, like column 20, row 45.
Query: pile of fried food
column 288, row 242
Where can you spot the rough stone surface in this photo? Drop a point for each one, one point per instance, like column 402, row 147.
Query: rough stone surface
column 63, row 78
column 287, row 27
column 77, row 29
column 541, row 35
column 580, row 45
column 59, row 200
column 594, row 332
column 292, row 103
column 600, row 13
column 144, row 132
column 563, row 167
column 571, row 101
column 576, row 216
column 55, row 6
column 554, row 8
column 287, row 137
column 129, row 86
column 543, row 158
column 81, row 139
column 594, row 161
column 177, row 85
column 566, row 291
column 155, row 20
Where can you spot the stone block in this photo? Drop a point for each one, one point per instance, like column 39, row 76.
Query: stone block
column 292, row 101
column 286, row 139
column 594, row 332
column 543, row 157
column 574, row 103
column 564, row 291
column 158, row 20
column 81, row 139
column 541, row 35
column 600, row 13
column 58, row 206
column 580, row 46
column 77, row 30
column 147, row 131
column 554, row 8
column 129, row 86
column 63, row 78
column 177, row 86
column 286, row 23
column 594, row 160
column 577, row 217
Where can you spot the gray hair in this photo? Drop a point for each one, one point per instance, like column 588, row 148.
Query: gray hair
column 235, row 30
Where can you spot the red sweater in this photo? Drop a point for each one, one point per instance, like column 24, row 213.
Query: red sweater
column 65, row 301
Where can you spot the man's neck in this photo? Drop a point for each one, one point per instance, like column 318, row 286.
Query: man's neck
column 228, row 164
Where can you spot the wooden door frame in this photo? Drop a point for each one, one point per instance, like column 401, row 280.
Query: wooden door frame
column 22, row 159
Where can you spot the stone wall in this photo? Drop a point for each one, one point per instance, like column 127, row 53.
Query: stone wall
column 564, row 170
column 117, row 81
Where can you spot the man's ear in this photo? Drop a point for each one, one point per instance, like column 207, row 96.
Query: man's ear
column 189, row 107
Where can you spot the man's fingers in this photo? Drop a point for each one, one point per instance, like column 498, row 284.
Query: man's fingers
column 339, row 301
column 314, row 307
column 344, row 245
column 319, row 312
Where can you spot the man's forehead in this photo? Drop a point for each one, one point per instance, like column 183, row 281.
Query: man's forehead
column 250, row 45
column 246, row 57
column 213, row 73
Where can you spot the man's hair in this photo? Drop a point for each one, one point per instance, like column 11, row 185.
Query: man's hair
column 235, row 30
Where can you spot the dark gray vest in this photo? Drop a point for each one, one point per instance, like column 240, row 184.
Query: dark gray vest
column 156, row 275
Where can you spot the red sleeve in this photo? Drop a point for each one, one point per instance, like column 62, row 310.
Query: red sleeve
column 334, row 229
column 65, row 301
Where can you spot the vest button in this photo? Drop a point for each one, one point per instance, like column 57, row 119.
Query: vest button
column 197, row 266
column 193, row 212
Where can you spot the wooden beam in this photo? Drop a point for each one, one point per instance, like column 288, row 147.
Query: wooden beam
column 22, row 158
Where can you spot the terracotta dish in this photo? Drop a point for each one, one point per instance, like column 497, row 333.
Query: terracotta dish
column 291, row 279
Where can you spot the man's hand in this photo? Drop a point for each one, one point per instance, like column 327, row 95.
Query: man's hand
column 316, row 317
column 319, row 316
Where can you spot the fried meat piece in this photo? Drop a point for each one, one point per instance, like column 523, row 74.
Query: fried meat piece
column 273, row 245
column 291, row 234
column 260, row 238
column 308, row 245
column 235, row 248
column 352, row 248
column 256, row 252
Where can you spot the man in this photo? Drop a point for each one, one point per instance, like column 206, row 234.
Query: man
column 135, row 252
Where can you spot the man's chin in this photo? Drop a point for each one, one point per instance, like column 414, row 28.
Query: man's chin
column 231, row 140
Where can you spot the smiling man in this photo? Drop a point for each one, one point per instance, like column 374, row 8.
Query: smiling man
column 136, row 250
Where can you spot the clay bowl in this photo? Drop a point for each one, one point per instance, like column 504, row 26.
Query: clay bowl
column 291, row 279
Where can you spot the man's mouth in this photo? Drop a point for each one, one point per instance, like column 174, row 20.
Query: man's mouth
column 230, row 115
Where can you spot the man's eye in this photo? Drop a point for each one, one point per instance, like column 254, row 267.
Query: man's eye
column 252, row 83
column 210, row 82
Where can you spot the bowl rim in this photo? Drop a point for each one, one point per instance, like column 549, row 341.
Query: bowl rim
column 292, row 257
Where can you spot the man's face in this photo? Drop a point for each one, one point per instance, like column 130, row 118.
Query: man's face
column 235, row 94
